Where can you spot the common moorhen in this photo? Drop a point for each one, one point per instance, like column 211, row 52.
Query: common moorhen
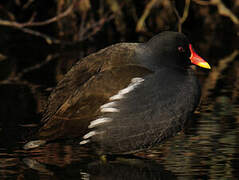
column 126, row 97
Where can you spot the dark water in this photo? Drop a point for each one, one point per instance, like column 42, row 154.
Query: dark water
column 207, row 149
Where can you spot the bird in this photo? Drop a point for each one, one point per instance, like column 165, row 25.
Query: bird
column 125, row 98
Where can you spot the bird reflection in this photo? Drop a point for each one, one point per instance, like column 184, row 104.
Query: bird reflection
column 125, row 168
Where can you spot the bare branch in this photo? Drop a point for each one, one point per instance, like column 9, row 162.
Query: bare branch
column 48, row 39
column 185, row 12
column 91, row 30
column 96, row 27
column 222, row 9
column 140, row 25
column 2, row 57
column 202, row 2
column 30, row 23
column 182, row 19
column 28, row 3
column 42, row 23
column 49, row 58
column 215, row 73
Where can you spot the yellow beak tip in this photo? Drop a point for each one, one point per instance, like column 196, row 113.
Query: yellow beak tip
column 204, row 65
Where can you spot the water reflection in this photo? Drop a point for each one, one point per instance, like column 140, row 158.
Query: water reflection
column 71, row 162
column 130, row 169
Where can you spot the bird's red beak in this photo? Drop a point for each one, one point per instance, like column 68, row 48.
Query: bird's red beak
column 197, row 60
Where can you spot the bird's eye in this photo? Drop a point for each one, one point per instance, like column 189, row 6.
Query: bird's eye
column 181, row 49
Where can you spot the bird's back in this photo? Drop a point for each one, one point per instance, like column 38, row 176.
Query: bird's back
column 76, row 99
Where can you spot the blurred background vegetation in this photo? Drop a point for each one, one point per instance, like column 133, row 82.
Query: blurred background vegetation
column 41, row 40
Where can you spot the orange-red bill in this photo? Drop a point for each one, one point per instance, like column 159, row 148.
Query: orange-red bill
column 197, row 60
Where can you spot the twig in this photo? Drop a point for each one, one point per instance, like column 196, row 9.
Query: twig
column 2, row 57
column 17, row 78
column 140, row 25
column 222, row 9
column 30, row 23
column 215, row 73
column 49, row 58
column 202, row 2
column 96, row 27
column 42, row 23
column 9, row 14
column 28, row 3
column 182, row 19
column 48, row 39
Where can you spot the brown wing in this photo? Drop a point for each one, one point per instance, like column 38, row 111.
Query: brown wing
column 89, row 84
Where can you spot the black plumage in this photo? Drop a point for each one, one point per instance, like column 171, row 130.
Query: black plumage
column 126, row 97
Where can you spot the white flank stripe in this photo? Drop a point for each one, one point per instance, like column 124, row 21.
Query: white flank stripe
column 84, row 141
column 127, row 90
column 111, row 104
column 99, row 121
column 116, row 97
column 109, row 110
column 137, row 79
column 134, row 83
column 90, row 134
